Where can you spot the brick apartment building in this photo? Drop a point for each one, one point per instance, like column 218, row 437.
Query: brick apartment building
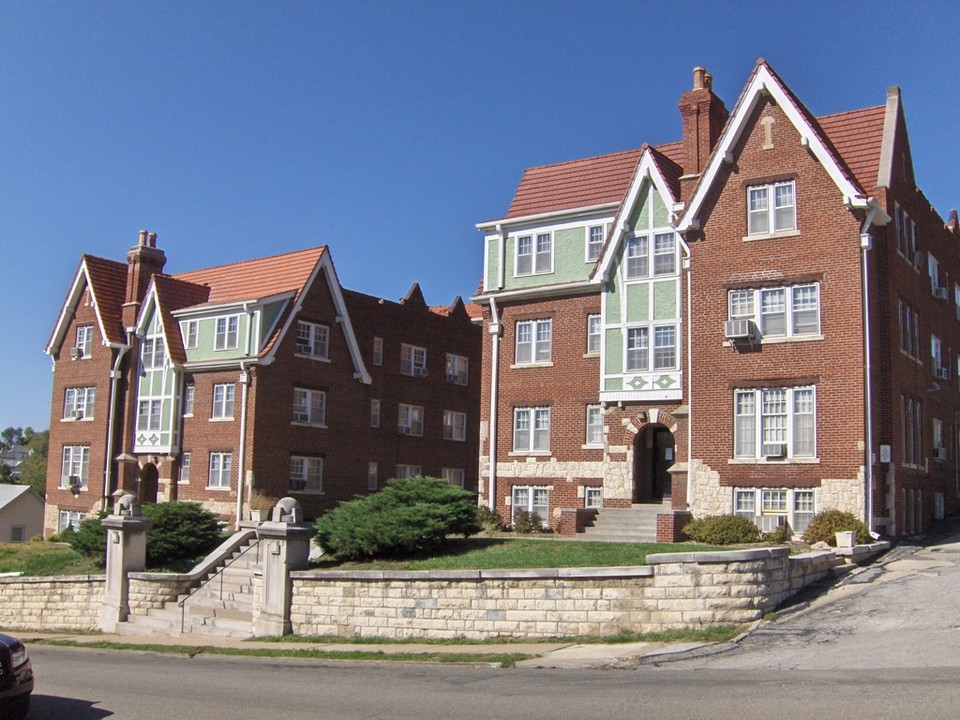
column 762, row 318
column 259, row 377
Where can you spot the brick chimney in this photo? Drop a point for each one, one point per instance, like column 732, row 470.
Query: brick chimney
column 952, row 224
column 704, row 115
column 143, row 260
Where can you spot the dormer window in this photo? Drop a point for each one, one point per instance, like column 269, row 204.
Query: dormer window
column 534, row 254
column 771, row 208
column 313, row 340
column 227, row 333
column 190, row 328
column 594, row 242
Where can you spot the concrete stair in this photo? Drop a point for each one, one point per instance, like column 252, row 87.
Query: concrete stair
column 220, row 604
column 637, row 523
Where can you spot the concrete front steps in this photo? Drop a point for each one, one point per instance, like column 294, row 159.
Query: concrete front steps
column 637, row 523
column 221, row 604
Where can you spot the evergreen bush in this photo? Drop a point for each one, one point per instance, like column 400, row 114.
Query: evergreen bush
column 408, row 516
column 526, row 522
column 722, row 530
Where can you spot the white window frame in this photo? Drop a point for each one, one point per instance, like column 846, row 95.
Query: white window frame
column 530, row 498
column 152, row 353
column 189, row 394
column 78, row 403
column 458, row 369
column 71, row 518
column 534, row 342
column 533, row 254
column 219, row 470
column 766, row 507
column 650, row 254
column 771, row 416
column 226, row 334
column 149, row 414
column 595, row 238
column 454, row 425
column 306, row 474
column 413, row 360
column 309, row 407
column 378, row 351
column 190, row 334
column 75, row 462
column 184, row 468
column 410, row 420
column 749, row 304
column 85, row 340
column 594, row 332
column 768, row 215
column 374, row 413
column 593, row 496
column 594, row 426
column 224, row 397
column 372, row 475
column 651, row 348
column 454, row 476
column 313, row 340
column 407, row 471
column 531, row 430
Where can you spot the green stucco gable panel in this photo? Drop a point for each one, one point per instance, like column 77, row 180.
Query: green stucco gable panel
column 493, row 262
column 665, row 300
column 612, row 296
column 613, row 352
column 661, row 215
column 613, row 384
column 638, row 302
column 640, row 217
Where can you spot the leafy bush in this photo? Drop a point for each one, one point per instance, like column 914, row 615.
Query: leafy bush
column 722, row 530
column 526, row 522
column 182, row 534
column 825, row 524
column 409, row 516
column 778, row 536
column 489, row 520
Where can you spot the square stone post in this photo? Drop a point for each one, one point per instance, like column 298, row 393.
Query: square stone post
column 285, row 543
column 126, row 553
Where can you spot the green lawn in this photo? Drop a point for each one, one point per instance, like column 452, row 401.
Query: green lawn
column 43, row 559
column 490, row 553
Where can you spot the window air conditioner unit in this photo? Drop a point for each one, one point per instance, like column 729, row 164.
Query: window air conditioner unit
column 939, row 453
column 918, row 259
column 940, row 293
column 73, row 483
column 78, row 414
column 774, row 451
column 420, row 372
column 739, row 329
column 76, row 353
column 942, row 373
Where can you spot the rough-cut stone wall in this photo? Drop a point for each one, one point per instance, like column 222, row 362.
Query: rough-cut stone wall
column 707, row 497
column 149, row 591
column 674, row 591
column 845, row 494
column 51, row 603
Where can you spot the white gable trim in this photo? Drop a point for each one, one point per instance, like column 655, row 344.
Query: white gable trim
column 69, row 310
column 765, row 83
column 343, row 317
column 647, row 171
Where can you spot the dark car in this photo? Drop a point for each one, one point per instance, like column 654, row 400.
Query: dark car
column 16, row 679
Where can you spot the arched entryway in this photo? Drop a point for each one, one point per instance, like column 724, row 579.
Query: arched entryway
column 653, row 454
column 148, row 485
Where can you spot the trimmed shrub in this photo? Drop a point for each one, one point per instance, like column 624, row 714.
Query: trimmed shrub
column 526, row 522
column 489, row 520
column 825, row 525
column 182, row 534
column 778, row 536
column 722, row 530
column 89, row 539
column 407, row 517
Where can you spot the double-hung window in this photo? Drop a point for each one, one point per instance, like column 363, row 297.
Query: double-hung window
column 594, row 242
column 594, row 425
column 413, row 360
column 309, row 406
column 789, row 311
column 306, row 474
column 457, row 369
column 223, row 396
column 78, row 403
column 407, row 471
column 227, row 332
column 313, row 340
column 75, row 469
column 185, row 468
column 664, row 255
column 531, row 429
column 532, row 499
column 769, row 508
column 69, row 519
column 454, row 476
column 771, row 208
column 909, row 330
column 190, row 330
column 410, row 420
column 84, row 341
column 374, row 413
column 664, row 355
column 534, row 341
column 593, row 334
column 152, row 353
column 775, row 423
column 534, row 254
column 149, row 415
column 378, row 351
column 454, row 425
column 220, row 466
column 188, row 393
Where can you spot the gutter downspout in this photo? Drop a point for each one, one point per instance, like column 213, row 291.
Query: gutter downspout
column 115, row 376
column 244, row 392
column 866, row 242
column 686, row 267
column 495, row 331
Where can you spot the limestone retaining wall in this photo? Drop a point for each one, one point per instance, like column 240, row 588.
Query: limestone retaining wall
column 674, row 591
column 51, row 603
column 151, row 590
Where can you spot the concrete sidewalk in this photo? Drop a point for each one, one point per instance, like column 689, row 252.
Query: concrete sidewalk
column 545, row 655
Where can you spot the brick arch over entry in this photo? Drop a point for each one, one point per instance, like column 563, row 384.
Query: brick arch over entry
column 642, row 418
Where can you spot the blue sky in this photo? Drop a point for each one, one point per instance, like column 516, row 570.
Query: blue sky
column 385, row 130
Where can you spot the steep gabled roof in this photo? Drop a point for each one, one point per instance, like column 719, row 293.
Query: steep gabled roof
column 764, row 81
column 172, row 295
column 857, row 135
column 107, row 281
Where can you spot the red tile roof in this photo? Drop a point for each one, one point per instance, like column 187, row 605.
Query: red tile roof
column 172, row 295
column 857, row 135
column 108, row 281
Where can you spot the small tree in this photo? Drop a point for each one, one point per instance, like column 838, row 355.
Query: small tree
column 409, row 516
column 89, row 539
